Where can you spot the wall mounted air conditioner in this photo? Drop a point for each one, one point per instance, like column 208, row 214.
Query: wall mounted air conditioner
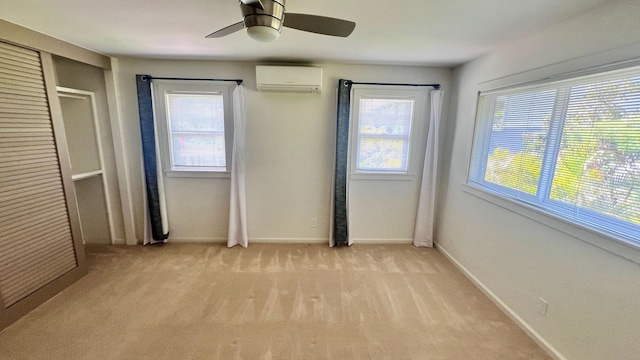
column 300, row 79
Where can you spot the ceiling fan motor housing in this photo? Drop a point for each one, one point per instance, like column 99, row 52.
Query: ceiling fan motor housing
column 264, row 25
column 264, row 20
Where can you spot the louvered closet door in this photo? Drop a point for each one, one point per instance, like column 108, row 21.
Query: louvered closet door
column 36, row 245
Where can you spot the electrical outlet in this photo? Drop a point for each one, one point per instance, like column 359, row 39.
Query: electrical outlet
column 314, row 222
column 543, row 305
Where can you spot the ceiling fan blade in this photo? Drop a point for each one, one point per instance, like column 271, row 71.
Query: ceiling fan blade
column 228, row 30
column 319, row 24
column 254, row 3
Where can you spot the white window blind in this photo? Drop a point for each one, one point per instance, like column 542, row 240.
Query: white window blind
column 519, row 126
column 196, row 126
column 570, row 147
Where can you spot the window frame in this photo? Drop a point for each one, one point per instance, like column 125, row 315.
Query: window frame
column 161, row 88
column 416, row 135
column 620, row 231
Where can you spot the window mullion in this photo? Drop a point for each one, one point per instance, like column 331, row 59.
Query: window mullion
column 554, row 138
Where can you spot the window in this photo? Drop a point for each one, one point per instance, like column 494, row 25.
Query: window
column 384, row 128
column 196, row 124
column 570, row 148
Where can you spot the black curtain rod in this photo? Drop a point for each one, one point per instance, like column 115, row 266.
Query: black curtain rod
column 349, row 82
column 149, row 77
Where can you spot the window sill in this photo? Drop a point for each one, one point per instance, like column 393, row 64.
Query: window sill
column 198, row 174
column 381, row 177
column 610, row 242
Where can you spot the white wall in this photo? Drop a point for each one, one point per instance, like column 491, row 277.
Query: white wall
column 290, row 149
column 593, row 293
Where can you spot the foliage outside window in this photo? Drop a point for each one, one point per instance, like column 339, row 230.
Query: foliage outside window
column 570, row 147
column 384, row 131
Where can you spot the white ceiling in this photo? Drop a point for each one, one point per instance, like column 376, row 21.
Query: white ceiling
column 417, row 32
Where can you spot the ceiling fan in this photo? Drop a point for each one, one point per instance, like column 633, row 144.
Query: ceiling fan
column 264, row 20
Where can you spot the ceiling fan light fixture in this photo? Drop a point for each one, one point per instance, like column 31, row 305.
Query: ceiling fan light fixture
column 263, row 33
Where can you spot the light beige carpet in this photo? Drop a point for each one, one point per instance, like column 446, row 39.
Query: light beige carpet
column 203, row 301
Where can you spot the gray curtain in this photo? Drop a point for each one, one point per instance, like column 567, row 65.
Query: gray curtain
column 159, row 233
column 340, row 229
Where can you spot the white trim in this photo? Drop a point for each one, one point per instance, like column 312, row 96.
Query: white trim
column 383, row 241
column 198, row 240
column 289, row 240
column 122, row 173
column 569, row 77
column 292, row 241
column 86, row 175
column 530, row 331
column 119, row 242
column 252, row 241
column 607, row 242
column 199, row 174
column 69, row 96
column 602, row 61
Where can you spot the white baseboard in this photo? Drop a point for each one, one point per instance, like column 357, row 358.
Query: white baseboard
column 197, row 240
column 254, row 241
column 382, row 241
column 504, row 307
column 326, row 241
column 289, row 241
column 119, row 242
